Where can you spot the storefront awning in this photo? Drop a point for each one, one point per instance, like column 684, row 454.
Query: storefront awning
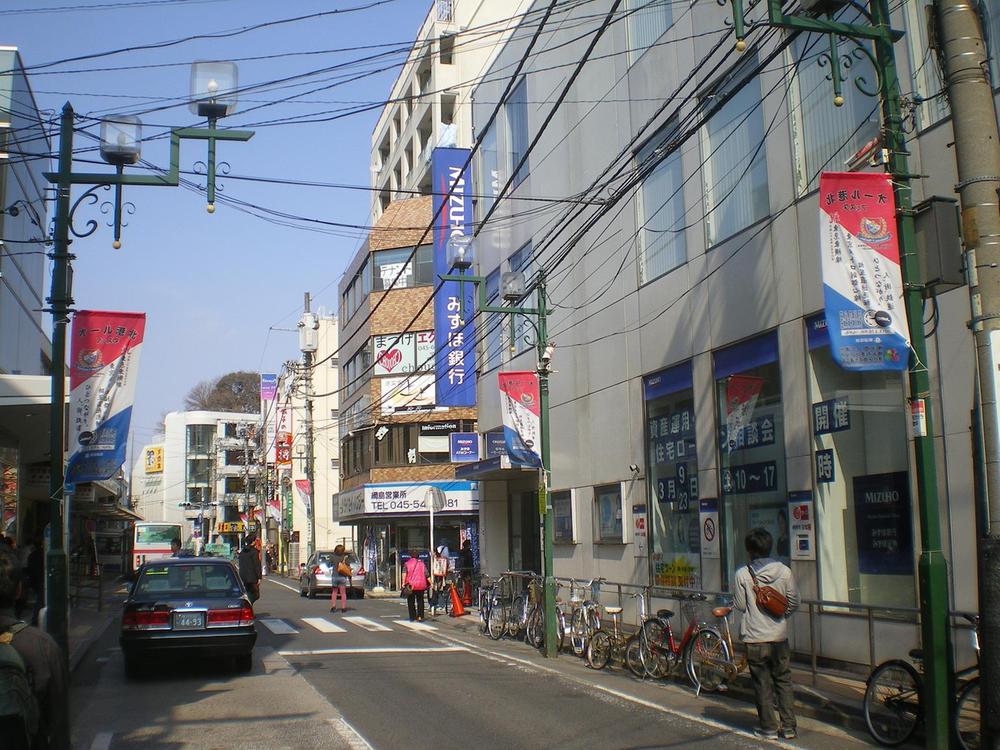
column 24, row 414
column 401, row 499
column 493, row 469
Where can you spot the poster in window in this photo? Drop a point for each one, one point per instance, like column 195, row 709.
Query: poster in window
column 425, row 351
column 883, row 524
column 394, row 354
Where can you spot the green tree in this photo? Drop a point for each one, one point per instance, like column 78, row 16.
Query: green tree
column 235, row 391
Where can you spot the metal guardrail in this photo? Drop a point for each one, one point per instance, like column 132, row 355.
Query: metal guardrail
column 812, row 609
column 85, row 583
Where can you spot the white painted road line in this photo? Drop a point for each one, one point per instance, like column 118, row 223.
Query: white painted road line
column 102, row 741
column 367, row 624
column 377, row 650
column 283, row 585
column 276, row 626
column 414, row 625
column 323, row 625
column 349, row 734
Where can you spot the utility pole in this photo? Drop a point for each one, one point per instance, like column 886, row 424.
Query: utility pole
column 977, row 153
column 308, row 343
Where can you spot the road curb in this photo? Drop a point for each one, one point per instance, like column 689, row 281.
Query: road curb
column 83, row 645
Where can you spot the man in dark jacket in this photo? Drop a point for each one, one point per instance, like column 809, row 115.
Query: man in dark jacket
column 42, row 660
column 249, row 565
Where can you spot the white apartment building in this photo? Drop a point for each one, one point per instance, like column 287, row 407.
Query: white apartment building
column 430, row 102
column 202, row 474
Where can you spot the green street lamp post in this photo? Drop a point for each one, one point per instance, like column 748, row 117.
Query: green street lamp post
column 213, row 95
column 932, row 568
column 512, row 288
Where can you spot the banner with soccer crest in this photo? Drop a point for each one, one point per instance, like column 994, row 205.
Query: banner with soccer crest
column 862, row 282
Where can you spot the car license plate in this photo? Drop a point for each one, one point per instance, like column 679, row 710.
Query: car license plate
column 189, row 620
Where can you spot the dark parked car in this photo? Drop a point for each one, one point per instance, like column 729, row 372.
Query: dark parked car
column 187, row 605
column 316, row 574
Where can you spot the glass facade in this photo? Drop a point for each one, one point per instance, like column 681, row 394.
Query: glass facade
column 562, row 517
column 672, row 461
column 661, row 208
column 608, row 514
column 865, row 514
column 751, row 445
column 647, row 21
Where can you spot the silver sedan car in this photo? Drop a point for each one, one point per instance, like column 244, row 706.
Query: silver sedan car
column 315, row 575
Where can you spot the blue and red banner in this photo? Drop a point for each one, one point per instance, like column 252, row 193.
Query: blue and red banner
column 454, row 303
column 103, row 370
column 862, row 282
column 521, row 412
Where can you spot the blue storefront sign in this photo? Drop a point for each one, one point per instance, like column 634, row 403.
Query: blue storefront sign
column 883, row 524
column 496, row 445
column 454, row 303
column 464, row 446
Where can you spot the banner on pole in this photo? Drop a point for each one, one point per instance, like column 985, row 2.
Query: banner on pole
column 454, row 303
column 103, row 369
column 520, row 408
column 862, row 282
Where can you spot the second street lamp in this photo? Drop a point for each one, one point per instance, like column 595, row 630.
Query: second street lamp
column 461, row 256
column 121, row 137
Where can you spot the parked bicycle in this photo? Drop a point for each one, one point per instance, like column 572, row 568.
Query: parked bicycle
column 893, row 705
column 661, row 653
column 586, row 618
column 605, row 645
column 711, row 660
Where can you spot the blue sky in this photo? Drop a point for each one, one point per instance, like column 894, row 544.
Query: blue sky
column 214, row 287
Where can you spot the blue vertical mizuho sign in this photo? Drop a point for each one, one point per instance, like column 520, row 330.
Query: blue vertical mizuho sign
column 454, row 327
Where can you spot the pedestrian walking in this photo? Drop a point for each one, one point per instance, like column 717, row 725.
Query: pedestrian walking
column 40, row 721
column 249, row 565
column 175, row 547
column 766, row 594
column 439, row 573
column 415, row 581
column 340, row 578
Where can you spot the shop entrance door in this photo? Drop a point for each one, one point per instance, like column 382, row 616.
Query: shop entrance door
column 525, row 535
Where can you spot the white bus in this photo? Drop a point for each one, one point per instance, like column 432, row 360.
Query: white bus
column 151, row 541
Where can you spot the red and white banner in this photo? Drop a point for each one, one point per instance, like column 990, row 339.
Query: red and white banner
column 742, row 392
column 521, row 410
column 304, row 491
column 862, row 281
column 104, row 366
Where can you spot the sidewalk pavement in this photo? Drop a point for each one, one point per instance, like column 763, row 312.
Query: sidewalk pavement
column 834, row 698
column 87, row 623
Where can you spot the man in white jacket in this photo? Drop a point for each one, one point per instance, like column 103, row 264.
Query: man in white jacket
column 766, row 636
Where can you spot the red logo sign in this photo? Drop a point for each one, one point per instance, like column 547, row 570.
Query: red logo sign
column 390, row 358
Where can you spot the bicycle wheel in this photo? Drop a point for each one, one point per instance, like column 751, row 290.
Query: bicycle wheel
column 579, row 631
column 967, row 716
column 484, row 616
column 498, row 621
column 561, row 628
column 516, row 620
column 706, row 659
column 535, row 632
column 892, row 703
column 598, row 650
column 633, row 660
column 654, row 650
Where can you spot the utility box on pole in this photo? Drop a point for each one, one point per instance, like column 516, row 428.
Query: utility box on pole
column 939, row 245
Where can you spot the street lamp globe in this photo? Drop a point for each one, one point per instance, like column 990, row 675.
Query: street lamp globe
column 121, row 139
column 512, row 286
column 213, row 89
column 459, row 252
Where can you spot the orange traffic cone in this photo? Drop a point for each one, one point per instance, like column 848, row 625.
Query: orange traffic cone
column 457, row 610
column 467, row 592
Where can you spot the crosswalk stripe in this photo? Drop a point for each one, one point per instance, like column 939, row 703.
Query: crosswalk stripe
column 414, row 625
column 367, row 624
column 276, row 626
column 323, row 625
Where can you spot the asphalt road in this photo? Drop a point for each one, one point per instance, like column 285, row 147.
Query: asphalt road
column 370, row 679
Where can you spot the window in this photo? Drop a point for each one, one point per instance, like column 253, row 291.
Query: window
column 672, row 458
column 926, row 74
column 733, row 152
column 608, row 514
column 517, row 130
column 523, row 260
column 487, row 176
column 235, row 458
column 858, row 424
column 357, row 369
column 234, row 485
column 495, row 322
column 447, row 49
column 562, row 517
column 991, row 31
column 393, row 269
column 199, row 470
column 751, row 444
column 825, row 136
column 647, row 20
column 661, row 208
column 357, row 291
column 200, row 438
